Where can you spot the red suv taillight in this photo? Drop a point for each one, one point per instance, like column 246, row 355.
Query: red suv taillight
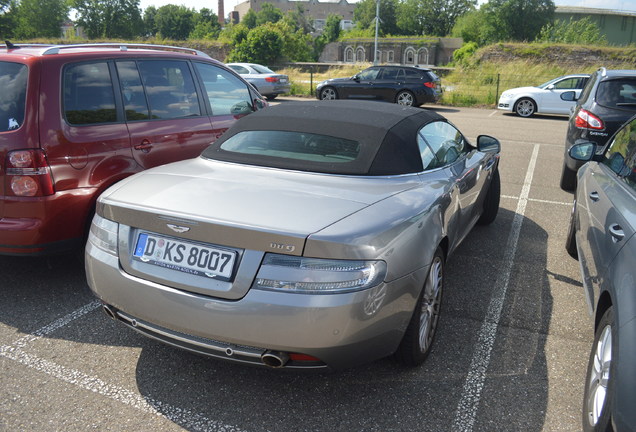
column 272, row 79
column 430, row 84
column 586, row 120
column 28, row 174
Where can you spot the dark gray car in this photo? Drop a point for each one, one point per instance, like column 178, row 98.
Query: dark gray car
column 601, row 234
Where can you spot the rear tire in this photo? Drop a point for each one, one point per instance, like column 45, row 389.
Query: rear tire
column 568, row 179
column 271, row 97
column 405, row 98
column 491, row 201
column 418, row 338
column 599, row 382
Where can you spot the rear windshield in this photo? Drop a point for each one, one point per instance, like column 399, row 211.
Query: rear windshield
column 290, row 150
column 13, row 83
column 262, row 69
column 617, row 93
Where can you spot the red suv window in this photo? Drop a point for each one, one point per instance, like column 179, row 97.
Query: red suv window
column 13, row 79
column 170, row 89
column 88, row 94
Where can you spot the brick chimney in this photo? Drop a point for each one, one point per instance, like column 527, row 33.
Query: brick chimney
column 221, row 14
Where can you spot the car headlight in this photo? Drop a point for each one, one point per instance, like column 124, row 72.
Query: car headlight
column 315, row 275
column 506, row 95
column 103, row 234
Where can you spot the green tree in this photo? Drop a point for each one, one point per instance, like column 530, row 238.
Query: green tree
column 431, row 17
column 8, row 10
column 263, row 45
column 472, row 27
column 582, row 31
column 518, row 20
column 330, row 33
column 206, row 25
column 150, row 27
column 174, row 22
column 109, row 18
column 249, row 19
column 364, row 16
column 31, row 22
column 297, row 44
column 268, row 14
column 298, row 19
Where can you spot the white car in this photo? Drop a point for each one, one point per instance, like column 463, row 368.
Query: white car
column 543, row 99
column 268, row 83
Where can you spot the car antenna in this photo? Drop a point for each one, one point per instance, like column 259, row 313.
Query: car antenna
column 10, row 45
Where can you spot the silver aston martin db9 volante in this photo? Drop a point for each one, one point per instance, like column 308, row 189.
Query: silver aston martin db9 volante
column 310, row 235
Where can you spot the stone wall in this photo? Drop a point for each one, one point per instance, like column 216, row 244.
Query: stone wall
column 610, row 57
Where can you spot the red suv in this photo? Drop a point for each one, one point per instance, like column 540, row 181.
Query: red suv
column 74, row 119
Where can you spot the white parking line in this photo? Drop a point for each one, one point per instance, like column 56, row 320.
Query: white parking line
column 182, row 417
column 474, row 384
column 538, row 200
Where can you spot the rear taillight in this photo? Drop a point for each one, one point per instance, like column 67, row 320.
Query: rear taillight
column 430, row 84
column 586, row 120
column 272, row 79
column 28, row 174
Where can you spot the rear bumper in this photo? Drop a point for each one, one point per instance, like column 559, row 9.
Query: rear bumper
column 45, row 225
column 341, row 330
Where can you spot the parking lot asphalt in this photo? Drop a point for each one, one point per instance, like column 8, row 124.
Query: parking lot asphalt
column 510, row 354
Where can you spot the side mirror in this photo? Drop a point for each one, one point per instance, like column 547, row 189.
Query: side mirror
column 356, row 78
column 583, row 151
column 550, row 87
column 239, row 108
column 260, row 104
column 486, row 143
column 569, row 96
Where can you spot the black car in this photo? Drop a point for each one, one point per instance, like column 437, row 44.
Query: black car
column 607, row 101
column 404, row 85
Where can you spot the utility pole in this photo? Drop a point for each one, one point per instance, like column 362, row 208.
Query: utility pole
column 377, row 24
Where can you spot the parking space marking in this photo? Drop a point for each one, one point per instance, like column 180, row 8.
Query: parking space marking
column 538, row 200
column 468, row 405
column 182, row 417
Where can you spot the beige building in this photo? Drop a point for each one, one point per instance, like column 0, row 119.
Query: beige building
column 317, row 10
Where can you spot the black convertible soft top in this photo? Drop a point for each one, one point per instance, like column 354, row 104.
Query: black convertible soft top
column 387, row 134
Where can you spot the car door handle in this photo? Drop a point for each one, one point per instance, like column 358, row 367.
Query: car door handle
column 145, row 146
column 617, row 233
column 594, row 196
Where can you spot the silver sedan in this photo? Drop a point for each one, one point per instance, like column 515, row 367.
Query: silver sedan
column 310, row 235
column 268, row 83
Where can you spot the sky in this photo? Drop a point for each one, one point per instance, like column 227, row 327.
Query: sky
column 627, row 5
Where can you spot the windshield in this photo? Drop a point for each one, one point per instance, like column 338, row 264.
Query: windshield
column 262, row 69
column 617, row 93
column 290, row 150
column 552, row 81
column 13, row 82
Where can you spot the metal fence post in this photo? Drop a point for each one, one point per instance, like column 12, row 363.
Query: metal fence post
column 497, row 93
column 311, row 80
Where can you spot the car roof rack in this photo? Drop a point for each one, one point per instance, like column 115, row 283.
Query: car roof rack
column 55, row 49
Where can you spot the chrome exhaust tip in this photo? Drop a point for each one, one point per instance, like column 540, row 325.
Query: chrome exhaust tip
column 274, row 359
column 109, row 311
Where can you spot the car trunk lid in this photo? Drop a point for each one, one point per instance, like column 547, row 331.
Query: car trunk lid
column 245, row 211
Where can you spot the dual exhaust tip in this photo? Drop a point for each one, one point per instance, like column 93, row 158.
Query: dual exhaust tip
column 272, row 359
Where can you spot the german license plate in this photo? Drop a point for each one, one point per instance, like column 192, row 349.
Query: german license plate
column 193, row 258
